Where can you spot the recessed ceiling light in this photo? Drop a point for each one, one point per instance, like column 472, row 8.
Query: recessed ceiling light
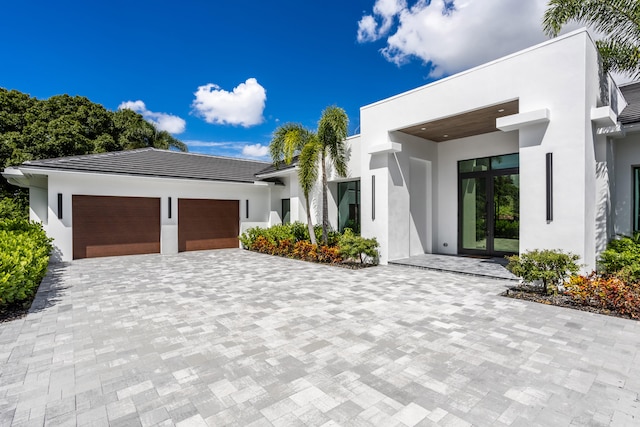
column 501, row 110
column 445, row 136
column 423, row 128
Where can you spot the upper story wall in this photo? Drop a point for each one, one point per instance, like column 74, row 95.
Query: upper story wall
column 550, row 75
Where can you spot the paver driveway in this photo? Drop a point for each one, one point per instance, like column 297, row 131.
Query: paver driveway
column 232, row 337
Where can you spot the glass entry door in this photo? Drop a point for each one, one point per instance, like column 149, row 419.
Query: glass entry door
column 473, row 214
column 489, row 205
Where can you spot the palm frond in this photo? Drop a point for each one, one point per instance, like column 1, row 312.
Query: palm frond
column 617, row 18
column 332, row 131
column 308, row 165
column 287, row 141
column 622, row 58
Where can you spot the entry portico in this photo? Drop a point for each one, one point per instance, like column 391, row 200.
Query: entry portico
column 502, row 158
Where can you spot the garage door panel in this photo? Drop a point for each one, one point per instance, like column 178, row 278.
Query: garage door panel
column 93, row 251
column 109, row 226
column 208, row 224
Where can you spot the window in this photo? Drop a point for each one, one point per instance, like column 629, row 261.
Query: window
column 349, row 206
column 286, row 211
column 636, row 199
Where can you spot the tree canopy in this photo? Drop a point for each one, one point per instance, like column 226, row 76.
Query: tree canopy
column 617, row 20
column 63, row 125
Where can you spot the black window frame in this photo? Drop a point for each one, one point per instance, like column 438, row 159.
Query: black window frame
column 635, row 198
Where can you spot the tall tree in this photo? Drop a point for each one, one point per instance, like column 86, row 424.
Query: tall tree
column 617, row 20
column 291, row 141
column 63, row 125
column 332, row 131
column 134, row 131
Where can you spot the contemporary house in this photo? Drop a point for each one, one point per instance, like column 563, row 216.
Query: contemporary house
column 538, row 149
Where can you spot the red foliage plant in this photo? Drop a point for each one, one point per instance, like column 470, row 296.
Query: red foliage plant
column 329, row 255
column 609, row 293
column 302, row 249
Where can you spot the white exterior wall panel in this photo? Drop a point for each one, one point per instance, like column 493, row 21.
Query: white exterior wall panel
column 126, row 186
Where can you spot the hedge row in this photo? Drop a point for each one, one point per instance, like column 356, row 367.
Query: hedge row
column 24, row 256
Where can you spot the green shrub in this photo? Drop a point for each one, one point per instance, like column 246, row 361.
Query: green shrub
column 552, row 267
column 11, row 208
column 355, row 247
column 24, row 256
column 293, row 232
column 332, row 236
column 622, row 258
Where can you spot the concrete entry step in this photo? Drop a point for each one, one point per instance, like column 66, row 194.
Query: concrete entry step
column 492, row 267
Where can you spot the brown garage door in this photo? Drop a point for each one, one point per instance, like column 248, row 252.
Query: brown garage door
column 108, row 226
column 208, row 224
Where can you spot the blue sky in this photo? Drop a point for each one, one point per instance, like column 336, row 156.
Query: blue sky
column 222, row 75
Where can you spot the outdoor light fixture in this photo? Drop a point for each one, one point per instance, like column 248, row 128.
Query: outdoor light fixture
column 373, row 197
column 549, row 187
column 501, row 110
column 59, row 205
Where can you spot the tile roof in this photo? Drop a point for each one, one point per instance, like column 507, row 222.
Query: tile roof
column 282, row 167
column 631, row 113
column 158, row 163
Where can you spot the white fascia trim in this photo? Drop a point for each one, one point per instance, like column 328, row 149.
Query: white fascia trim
column 278, row 173
column 16, row 177
column 48, row 172
column 387, row 148
column 517, row 121
column 603, row 116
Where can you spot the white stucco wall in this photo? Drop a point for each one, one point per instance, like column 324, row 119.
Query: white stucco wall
column 70, row 183
column 555, row 76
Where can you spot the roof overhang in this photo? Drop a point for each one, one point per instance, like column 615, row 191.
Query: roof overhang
column 603, row 116
column 520, row 120
column 31, row 173
column 278, row 173
column 16, row 177
column 388, row 148
column 469, row 123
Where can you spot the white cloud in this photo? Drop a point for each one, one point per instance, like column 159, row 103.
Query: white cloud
column 453, row 35
column 240, row 149
column 243, row 106
column 255, row 150
column 162, row 121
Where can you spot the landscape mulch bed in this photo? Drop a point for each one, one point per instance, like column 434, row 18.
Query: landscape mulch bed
column 534, row 294
column 14, row 311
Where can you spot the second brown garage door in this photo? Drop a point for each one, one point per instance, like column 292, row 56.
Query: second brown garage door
column 108, row 226
column 208, row 224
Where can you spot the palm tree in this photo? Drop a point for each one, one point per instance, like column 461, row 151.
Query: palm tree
column 618, row 20
column 164, row 140
column 332, row 131
column 291, row 140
